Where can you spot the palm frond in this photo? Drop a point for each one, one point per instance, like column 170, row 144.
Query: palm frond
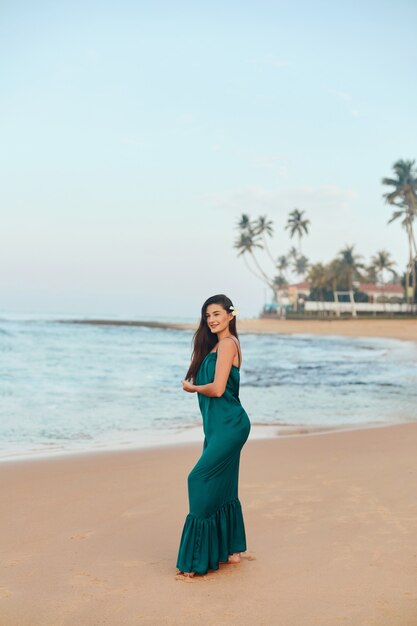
column 395, row 216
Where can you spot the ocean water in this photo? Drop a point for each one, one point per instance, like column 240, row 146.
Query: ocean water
column 73, row 387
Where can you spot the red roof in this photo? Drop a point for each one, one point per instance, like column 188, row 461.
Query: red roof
column 372, row 288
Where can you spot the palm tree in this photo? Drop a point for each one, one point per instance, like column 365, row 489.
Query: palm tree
column 382, row 262
column 244, row 223
column 247, row 241
column 264, row 227
column 283, row 265
column 371, row 275
column 350, row 268
column 351, row 265
column 280, row 281
column 300, row 265
column 292, row 253
column 318, row 277
column 407, row 223
column 404, row 197
column 336, row 278
column 253, row 235
column 297, row 225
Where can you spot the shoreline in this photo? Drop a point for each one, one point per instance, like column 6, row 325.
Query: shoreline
column 329, row 519
column 259, row 432
column 159, row 448
column 404, row 329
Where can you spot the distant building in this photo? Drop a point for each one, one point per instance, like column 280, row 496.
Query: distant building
column 380, row 299
column 382, row 293
column 291, row 296
column 299, row 290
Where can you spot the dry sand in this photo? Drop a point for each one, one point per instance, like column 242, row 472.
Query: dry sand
column 392, row 328
column 331, row 522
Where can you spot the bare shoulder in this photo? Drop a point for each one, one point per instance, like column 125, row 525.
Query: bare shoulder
column 231, row 345
column 234, row 339
column 227, row 346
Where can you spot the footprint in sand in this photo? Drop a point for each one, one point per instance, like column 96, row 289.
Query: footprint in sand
column 84, row 535
column 133, row 563
column 5, row 592
column 85, row 579
column 142, row 511
column 16, row 560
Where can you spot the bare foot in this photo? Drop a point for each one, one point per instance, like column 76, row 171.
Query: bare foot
column 189, row 574
column 232, row 558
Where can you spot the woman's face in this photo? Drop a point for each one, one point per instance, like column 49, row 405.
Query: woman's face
column 217, row 318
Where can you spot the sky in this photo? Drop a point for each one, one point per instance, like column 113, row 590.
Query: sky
column 135, row 134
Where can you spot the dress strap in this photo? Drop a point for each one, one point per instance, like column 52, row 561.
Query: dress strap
column 235, row 342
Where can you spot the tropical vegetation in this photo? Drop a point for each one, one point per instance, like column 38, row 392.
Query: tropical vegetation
column 253, row 236
column 348, row 269
column 297, row 225
column 403, row 196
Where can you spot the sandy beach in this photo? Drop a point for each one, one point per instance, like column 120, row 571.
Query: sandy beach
column 390, row 328
column 331, row 522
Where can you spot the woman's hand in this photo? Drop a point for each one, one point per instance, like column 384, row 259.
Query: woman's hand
column 187, row 386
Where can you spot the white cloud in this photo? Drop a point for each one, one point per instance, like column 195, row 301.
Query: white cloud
column 255, row 198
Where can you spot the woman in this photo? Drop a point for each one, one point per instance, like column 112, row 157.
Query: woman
column 214, row 530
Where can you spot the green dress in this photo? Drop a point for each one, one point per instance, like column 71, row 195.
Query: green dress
column 214, row 527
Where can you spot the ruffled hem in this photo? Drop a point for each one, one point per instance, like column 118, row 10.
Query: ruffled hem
column 206, row 542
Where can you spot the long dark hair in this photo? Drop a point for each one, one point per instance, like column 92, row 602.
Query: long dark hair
column 204, row 340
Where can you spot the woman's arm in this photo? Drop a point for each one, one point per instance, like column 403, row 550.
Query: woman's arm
column 225, row 356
